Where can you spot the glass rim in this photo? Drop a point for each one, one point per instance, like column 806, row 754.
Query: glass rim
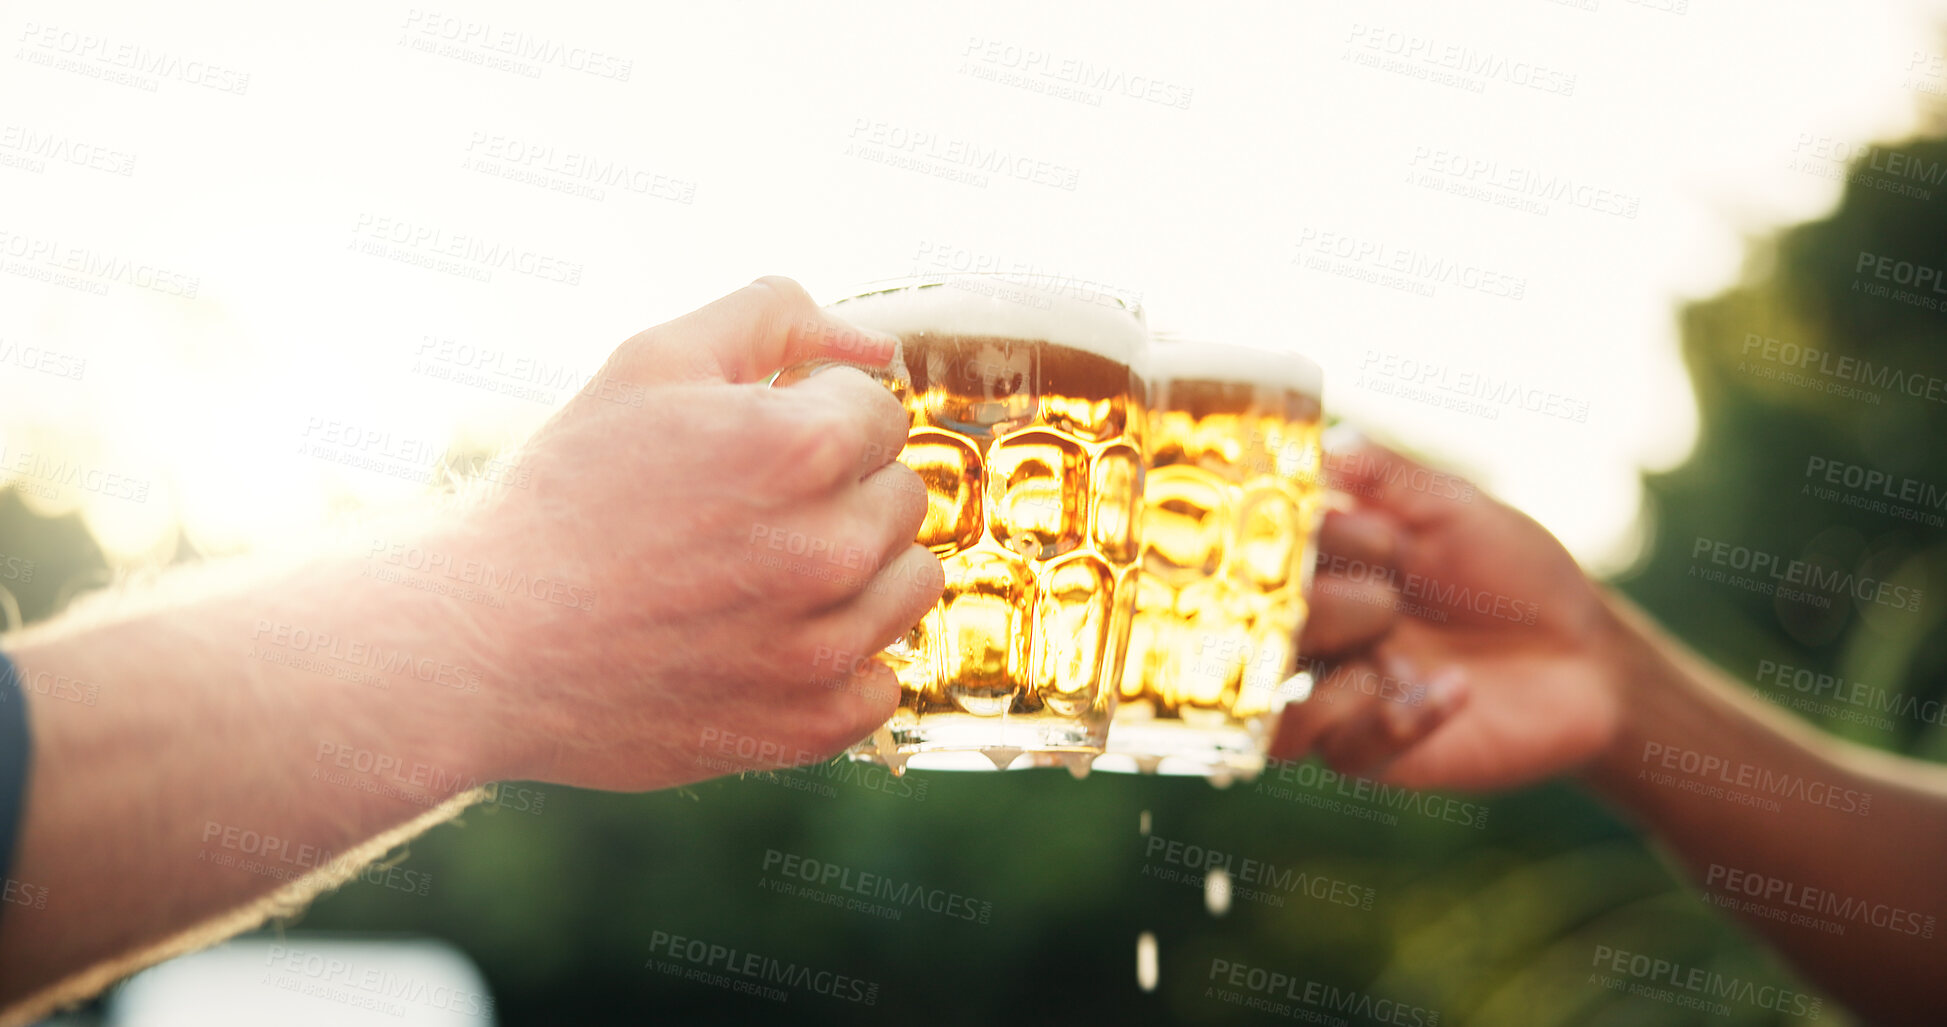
column 1079, row 290
column 1312, row 376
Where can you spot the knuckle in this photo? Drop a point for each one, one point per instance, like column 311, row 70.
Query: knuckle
column 818, row 450
column 784, row 292
column 909, row 500
column 783, row 303
column 633, row 346
column 886, row 407
column 816, row 565
column 866, row 638
column 782, row 310
column 810, row 662
column 916, row 581
column 836, row 724
column 928, row 575
column 860, row 707
column 634, row 355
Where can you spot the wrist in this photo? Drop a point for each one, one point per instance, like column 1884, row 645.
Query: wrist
column 418, row 654
column 496, row 636
column 1650, row 686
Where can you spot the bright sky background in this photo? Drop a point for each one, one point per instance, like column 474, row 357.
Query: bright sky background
column 1294, row 126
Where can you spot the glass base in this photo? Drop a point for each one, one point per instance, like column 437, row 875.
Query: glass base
column 1234, row 752
column 964, row 741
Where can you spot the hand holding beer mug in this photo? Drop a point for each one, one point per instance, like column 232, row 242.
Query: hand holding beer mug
column 1232, row 501
column 1028, row 421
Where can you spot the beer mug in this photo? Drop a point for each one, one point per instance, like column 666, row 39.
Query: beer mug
column 1232, row 500
column 1027, row 402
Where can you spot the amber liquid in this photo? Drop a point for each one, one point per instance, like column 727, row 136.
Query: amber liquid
column 1231, row 501
column 1031, row 452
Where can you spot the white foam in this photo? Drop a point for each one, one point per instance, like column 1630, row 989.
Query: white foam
column 1078, row 315
column 1175, row 357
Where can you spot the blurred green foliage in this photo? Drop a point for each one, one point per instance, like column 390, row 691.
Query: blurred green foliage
column 1493, row 924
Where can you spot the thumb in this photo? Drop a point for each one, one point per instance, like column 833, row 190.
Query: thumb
column 760, row 329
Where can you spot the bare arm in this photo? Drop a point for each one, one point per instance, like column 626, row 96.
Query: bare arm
column 683, row 587
column 1532, row 671
column 201, row 791
column 1787, row 827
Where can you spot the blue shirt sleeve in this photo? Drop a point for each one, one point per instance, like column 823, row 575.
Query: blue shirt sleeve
column 14, row 753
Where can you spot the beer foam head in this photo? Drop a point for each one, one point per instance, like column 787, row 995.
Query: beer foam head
column 1075, row 314
column 1178, row 358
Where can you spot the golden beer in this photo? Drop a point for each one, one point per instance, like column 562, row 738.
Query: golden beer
column 1231, row 501
column 1028, row 419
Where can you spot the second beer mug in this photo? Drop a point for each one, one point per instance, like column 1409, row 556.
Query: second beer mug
column 1233, row 496
column 1028, row 422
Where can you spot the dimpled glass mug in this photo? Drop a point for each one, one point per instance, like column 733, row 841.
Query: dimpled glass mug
column 1027, row 400
column 1233, row 497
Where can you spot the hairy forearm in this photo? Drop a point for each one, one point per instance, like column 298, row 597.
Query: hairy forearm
column 592, row 618
column 204, row 763
column 1789, row 828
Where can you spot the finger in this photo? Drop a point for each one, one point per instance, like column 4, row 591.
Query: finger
column 819, row 710
column 891, row 503
column 853, row 393
column 849, row 541
column 745, row 336
column 1359, row 536
column 840, row 548
column 833, row 429
column 865, row 700
column 1332, row 701
column 1382, row 479
column 887, row 607
column 1347, row 615
column 1386, row 728
column 822, row 554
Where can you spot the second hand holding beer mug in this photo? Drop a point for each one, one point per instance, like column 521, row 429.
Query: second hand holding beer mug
column 1027, row 400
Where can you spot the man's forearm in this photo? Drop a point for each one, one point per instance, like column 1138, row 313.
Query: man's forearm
column 593, row 619
column 1791, row 829
column 202, row 765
